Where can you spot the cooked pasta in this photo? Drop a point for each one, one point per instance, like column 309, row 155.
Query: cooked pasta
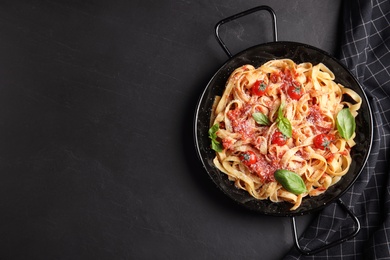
column 284, row 115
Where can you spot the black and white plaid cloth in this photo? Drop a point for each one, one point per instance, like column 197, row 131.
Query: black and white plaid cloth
column 365, row 51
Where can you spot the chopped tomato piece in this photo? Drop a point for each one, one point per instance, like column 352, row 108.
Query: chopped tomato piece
column 322, row 141
column 278, row 138
column 295, row 91
column 259, row 88
column 248, row 158
column 274, row 77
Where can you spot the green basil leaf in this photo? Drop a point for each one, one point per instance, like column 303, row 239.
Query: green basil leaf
column 284, row 124
column 213, row 131
column 280, row 111
column 261, row 119
column 345, row 123
column 291, row 181
column 285, row 127
column 215, row 144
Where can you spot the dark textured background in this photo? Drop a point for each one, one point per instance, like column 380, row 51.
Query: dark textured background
column 97, row 98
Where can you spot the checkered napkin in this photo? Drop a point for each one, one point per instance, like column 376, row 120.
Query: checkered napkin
column 365, row 51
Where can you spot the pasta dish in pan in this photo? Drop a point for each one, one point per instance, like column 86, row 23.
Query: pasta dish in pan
column 284, row 131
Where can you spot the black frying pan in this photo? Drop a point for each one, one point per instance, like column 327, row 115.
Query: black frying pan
column 257, row 56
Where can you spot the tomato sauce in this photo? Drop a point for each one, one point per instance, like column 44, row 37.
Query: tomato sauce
column 239, row 121
column 226, row 143
column 274, row 77
column 264, row 169
column 315, row 117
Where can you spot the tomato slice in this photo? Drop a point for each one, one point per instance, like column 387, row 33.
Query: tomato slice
column 322, row 141
column 278, row 138
column 248, row 158
column 259, row 88
column 295, row 91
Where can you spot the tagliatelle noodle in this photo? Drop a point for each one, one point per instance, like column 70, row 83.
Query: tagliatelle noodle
column 312, row 114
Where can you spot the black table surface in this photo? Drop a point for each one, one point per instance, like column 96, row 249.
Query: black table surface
column 97, row 99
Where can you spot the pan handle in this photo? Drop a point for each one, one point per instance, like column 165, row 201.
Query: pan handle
column 236, row 16
column 331, row 244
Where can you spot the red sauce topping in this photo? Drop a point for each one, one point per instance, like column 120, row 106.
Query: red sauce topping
column 264, row 169
column 314, row 115
column 239, row 120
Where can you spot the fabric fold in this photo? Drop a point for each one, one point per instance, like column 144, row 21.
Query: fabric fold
column 365, row 50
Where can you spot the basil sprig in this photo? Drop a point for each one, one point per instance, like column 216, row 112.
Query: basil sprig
column 261, row 119
column 215, row 144
column 345, row 123
column 291, row 181
column 284, row 124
